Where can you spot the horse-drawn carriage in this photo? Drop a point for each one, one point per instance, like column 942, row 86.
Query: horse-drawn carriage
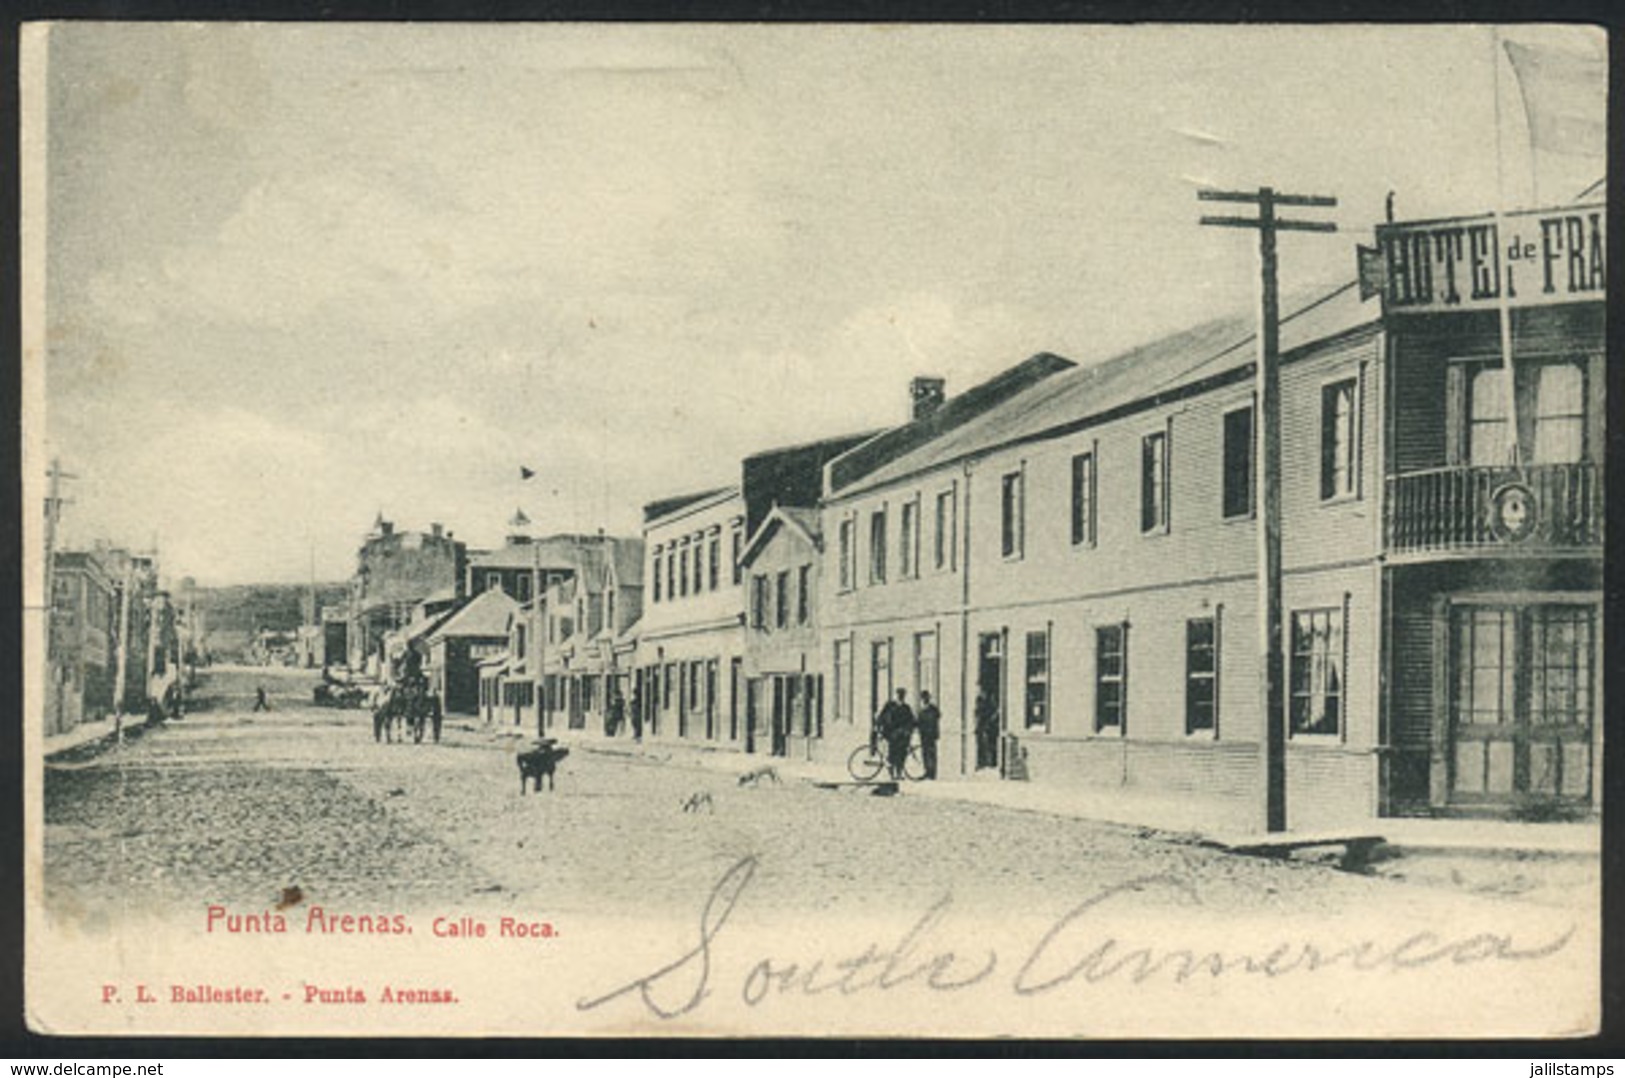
column 407, row 708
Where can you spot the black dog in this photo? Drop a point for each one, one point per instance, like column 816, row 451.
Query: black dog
column 538, row 762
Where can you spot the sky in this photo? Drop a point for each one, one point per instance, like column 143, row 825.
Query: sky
column 297, row 275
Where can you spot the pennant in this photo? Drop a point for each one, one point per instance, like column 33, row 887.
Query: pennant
column 526, row 473
column 1565, row 97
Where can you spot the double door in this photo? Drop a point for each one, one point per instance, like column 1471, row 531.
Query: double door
column 1523, row 695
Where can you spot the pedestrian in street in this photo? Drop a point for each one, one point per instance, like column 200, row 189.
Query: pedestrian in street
column 929, row 723
column 896, row 725
column 615, row 714
column 637, row 711
column 259, row 699
column 987, row 731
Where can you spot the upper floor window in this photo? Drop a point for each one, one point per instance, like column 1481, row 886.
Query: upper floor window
column 1560, row 414
column 781, row 599
column 1154, row 482
column 877, row 547
column 713, row 550
column 1237, row 496
column 1037, row 711
column 908, row 541
column 682, row 571
column 1011, row 512
column 803, row 594
column 942, row 550
column 1083, row 499
column 758, row 601
column 656, row 574
column 671, row 574
column 1339, row 440
column 846, row 552
column 739, row 554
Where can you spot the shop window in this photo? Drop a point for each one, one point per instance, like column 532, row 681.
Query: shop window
column 1238, row 463
column 1317, row 671
column 1038, row 695
column 1339, row 441
column 1111, row 678
column 1201, row 676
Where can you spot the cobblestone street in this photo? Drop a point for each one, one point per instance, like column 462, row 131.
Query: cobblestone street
column 232, row 806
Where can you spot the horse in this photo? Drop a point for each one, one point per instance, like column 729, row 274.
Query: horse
column 407, row 708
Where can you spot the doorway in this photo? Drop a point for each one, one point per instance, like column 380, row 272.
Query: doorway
column 989, row 708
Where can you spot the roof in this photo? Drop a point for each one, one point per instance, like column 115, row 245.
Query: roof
column 486, row 614
column 628, row 555
column 794, row 517
column 662, row 507
column 1178, row 360
column 549, row 552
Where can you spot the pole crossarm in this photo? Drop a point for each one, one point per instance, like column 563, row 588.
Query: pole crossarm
column 1279, row 198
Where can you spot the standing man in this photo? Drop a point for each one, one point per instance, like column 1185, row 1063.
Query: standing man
column 929, row 723
column 616, row 713
column 896, row 724
column 259, row 699
column 637, row 708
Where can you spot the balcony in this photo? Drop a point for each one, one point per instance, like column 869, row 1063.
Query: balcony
column 1449, row 510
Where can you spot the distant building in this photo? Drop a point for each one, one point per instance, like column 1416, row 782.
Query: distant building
column 80, row 652
column 781, row 566
column 394, row 571
column 476, row 632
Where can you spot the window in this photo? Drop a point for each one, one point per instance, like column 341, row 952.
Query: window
column 758, row 601
column 657, row 574
column 781, row 599
column 943, row 548
column 665, row 695
column 1010, row 515
column 1559, row 414
column 714, row 551
column 847, row 554
column 1083, row 499
column 1339, row 441
column 1202, row 675
column 1154, row 482
column 739, row 555
column 1038, row 680
column 1487, row 418
column 877, row 547
column 1237, row 498
column 925, row 666
column 1317, row 671
column 803, row 595
column 1111, row 678
column 908, row 545
column 519, row 641
column 671, row 574
column 682, row 570
column 879, row 675
column 699, row 563
column 843, row 679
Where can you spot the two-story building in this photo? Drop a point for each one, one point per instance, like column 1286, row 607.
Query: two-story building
column 1493, row 512
column 80, row 653
column 783, row 674
column 394, row 571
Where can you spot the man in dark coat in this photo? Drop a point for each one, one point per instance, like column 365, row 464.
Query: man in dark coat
column 896, row 725
column 929, row 724
column 987, row 731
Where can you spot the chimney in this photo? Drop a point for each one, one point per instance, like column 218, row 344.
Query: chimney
column 435, row 530
column 387, row 527
column 925, row 396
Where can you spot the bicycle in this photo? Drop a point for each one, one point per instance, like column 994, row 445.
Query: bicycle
column 868, row 761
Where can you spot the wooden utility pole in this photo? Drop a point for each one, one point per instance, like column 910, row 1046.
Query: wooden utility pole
column 1267, row 473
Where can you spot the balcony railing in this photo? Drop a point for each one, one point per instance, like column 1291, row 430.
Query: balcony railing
column 1449, row 509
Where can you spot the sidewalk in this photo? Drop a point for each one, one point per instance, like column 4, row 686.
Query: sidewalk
column 1175, row 819
column 87, row 733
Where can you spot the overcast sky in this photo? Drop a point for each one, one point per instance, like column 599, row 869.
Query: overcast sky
column 301, row 274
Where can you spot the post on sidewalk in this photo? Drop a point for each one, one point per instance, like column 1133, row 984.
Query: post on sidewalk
column 1267, row 473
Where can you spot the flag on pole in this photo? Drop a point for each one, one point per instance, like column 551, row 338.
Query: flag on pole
column 1565, row 97
column 526, row 473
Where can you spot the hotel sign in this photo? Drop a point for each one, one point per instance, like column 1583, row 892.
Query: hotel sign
column 1462, row 264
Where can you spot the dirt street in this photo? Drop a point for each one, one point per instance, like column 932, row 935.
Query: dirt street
column 233, row 806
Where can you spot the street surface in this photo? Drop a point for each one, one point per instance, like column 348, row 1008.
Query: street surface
column 232, row 806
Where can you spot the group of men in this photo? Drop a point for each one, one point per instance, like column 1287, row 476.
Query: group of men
column 897, row 724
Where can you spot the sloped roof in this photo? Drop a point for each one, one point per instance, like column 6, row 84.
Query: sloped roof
column 486, row 614
column 1177, row 360
column 798, row 518
column 654, row 510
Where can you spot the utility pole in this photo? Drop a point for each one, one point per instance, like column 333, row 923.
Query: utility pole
column 121, row 678
column 1267, row 473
